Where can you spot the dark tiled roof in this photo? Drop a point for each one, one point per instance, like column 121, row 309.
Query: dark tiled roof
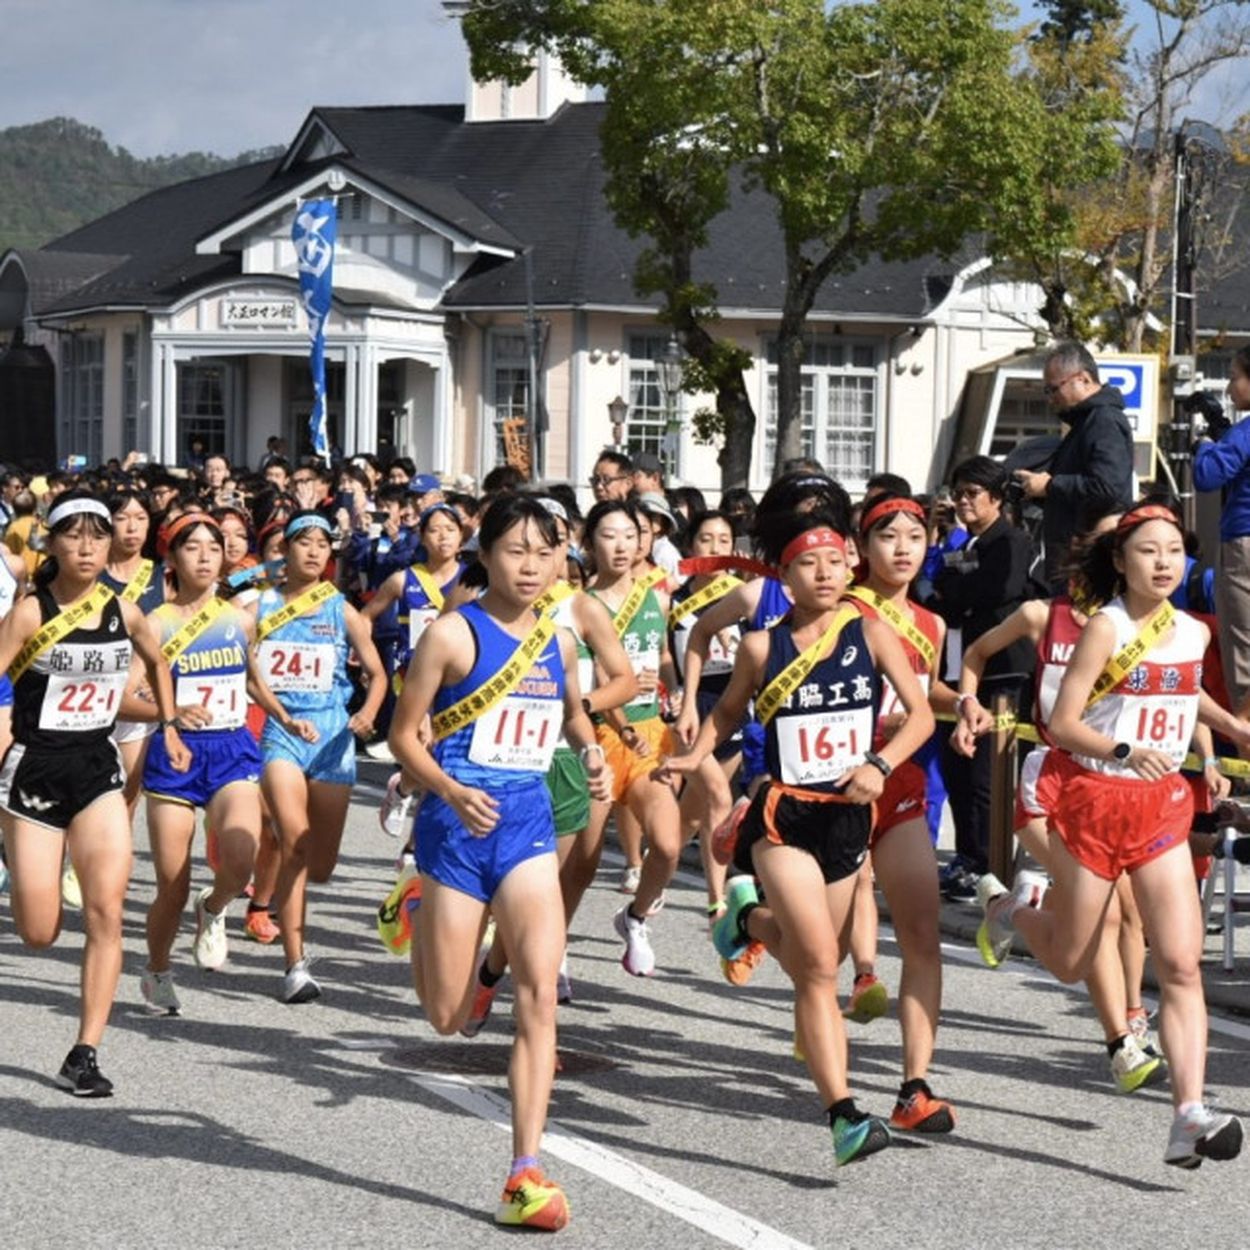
column 51, row 275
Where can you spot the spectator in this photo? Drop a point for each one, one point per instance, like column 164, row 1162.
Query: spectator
column 426, row 490
column 648, row 474
column 612, row 476
column 664, row 527
column 10, row 485
column 24, row 536
column 278, row 473
column 738, row 504
column 275, row 449
column 1093, row 463
column 686, row 502
column 216, row 471
column 886, row 484
column 501, row 479
column 401, row 470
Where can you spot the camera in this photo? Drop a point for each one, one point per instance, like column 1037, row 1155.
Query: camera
column 1206, row 414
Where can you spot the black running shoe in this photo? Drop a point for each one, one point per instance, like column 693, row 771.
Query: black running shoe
column 81, row 1075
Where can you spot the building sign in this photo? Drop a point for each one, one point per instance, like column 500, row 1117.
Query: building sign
column 269, row 313
column 516, row 442
column 1137, row 379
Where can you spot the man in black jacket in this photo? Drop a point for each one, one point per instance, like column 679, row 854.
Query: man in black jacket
column 1093, row 463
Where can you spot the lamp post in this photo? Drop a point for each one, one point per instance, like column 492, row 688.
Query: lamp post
column 669, row 367
column 618, row 412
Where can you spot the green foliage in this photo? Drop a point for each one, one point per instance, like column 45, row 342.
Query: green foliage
column 58, row 175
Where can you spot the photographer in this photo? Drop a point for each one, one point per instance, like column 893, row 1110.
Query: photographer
column 1225, row 463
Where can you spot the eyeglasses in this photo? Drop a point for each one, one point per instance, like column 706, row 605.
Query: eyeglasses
column 968, row 492
column 1053, row 388
column 598, row 479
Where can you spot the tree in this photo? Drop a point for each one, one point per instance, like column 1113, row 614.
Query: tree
column 897, row 128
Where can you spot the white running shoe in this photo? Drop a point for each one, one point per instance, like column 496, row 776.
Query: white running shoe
column 158, row 992
column 1131, row 1067
column 631, row 875
column 210, row 948
column 564, row 983
column 396, row 810
column 639, row 958
column 1202, row 1134
column 71, row 891
column 298, row 985
column 380, row 751
column 1030, row 888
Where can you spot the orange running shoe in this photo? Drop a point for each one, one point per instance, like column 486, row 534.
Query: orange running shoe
column 260, row 927
column 725, row 835
column 868, row 999
column 739, row 971
column 530, row 1200
column 920, row 1112
column 395, row 914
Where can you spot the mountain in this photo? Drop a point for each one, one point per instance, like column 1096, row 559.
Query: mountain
column 58, row 174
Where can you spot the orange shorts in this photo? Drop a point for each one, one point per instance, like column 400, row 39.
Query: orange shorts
column 627, row 765
column 1113, row 825
column 1038, row 789
column 902, row 799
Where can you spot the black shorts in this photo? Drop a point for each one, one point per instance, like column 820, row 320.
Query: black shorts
column 50, row 788
column 833, row 831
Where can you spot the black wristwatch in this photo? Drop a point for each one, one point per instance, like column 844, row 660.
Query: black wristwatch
column 1121, row 751
column 882, row 765
column 586, row 705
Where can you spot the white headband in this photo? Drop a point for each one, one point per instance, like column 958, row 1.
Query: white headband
column 78, row 507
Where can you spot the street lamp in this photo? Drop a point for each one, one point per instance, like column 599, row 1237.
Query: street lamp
column 669, row 367
column 618, row 413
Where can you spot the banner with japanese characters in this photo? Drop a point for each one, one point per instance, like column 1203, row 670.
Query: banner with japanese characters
column 314, row 232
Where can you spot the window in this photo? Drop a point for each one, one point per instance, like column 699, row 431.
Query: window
column 1020, row 417
column 130, row 391
column 202, row 401
column 82, row 396
column 648, row 415
column 839, row 409
column 510, row 385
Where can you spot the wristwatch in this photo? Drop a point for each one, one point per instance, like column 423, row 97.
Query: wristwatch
column 586, row 705
column 882, row 765
column 1121, row 751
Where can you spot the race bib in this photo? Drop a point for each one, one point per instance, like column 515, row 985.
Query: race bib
column 418, row 621
column 1159, row 722
column 649, row 659
column 306, row 667
column 820, row 746
column 77, row 704
column 891, row 704
column 517, row 735
column 224, row 695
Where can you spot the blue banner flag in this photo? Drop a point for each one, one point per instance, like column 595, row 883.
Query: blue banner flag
column 314, row 231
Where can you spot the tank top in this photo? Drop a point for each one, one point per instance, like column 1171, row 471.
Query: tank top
column 304, row 662
column 642, row 642
column 514, row 741
column 1155, row 705
column 719, row 664
column 1059, row 640
column 153, row 595
column 774, row 604
column 827, row 724
column 8, row 589
column 927, row 623
column 69, row 696
column 212, row 670
column 415, row 609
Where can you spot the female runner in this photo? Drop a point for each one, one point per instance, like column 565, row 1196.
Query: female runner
column 304, row 631
column 207, row 643
column 68, row 648
column 499, row 681
column 1122, row 720
column 816, row 681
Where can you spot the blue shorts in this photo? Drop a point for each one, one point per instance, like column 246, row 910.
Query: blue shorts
column 450, row 854
column 753, row 764
column 705, row 701
column 217, row 760
column 6, row 690
column 331, row 759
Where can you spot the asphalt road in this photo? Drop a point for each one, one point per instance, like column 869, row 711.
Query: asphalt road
column 680, row 1117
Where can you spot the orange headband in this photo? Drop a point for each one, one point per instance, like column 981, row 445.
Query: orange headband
column 1148, row 512
column 809, row 540
column 186, row 521
column 887, row 506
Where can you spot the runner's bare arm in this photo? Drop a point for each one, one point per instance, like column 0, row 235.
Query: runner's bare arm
column 1203, row 745
column 738, row 605
column 146, row 644
column 618, row 684
column 577, row 725
column 386, row 594
column 360, row 635
column 21, row 624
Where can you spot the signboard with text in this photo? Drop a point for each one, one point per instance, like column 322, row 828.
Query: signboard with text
column 264, row 313
column 1137, row 379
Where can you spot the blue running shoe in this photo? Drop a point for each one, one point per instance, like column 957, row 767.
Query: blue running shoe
column 727, row 937
column 857, row 1139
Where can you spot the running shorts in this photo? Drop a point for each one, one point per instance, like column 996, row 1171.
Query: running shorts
column 570, row 798
column 705, row 701
column 133, row 730
column 902, row 799
column 628, row 766
column 50, row 788
column 218, row 760
column 331, row 759
column 831, row 829
column 477, row 866
column 1038, row 788
column 1112, row 825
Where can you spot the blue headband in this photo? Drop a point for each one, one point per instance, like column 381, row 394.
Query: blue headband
column 310, row 520
column 437, row 507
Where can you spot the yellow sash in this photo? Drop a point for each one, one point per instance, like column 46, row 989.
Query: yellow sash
column 139, row 583
column 554, row 597
column 192, row 629
column 897, row 621
column 710, row 593
column 1125, row 661
column 497, row 688
column 314, row 597
column 633, row 601
column 428, row 584
column 64, row 622
column 792, row 676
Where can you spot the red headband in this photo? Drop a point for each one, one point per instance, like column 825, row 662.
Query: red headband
column 886, row 506
column 809, row 540
column 1147, row 512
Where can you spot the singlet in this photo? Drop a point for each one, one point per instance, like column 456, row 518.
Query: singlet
column 719, row 664
column 1155, row 705
column 8, row 589
column 642, row 642
column 1054, row 652
column 515, row 740
column 927, row 623
column 153, row 595
column 304, row 662
column 827, row 724
column 69, row 696
column 774, row 604
column 415, row 609
column 211, row 670
column 563, row 616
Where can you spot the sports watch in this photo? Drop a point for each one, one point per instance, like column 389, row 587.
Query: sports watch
column 1121, row 751
column 882, row 765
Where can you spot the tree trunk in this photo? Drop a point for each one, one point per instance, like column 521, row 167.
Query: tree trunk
column 791, row 350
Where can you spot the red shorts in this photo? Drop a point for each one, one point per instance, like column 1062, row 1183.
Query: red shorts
column 902, row 799
column 1113, row 825
column 1038, row 789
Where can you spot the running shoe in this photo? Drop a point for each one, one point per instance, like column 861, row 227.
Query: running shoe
column 380, row 751
column 920, row 1112
column 858, row 1138
column 564, row 983
column 210, row 948
column 727, row 936
column 962, row 887
column 638, row 959
column 71, row 891
column 1131, row 1067
column 739, row 971
column 81, row 1075
column 1202, row 1134
column 395, row 913
column 631, row 875
column 994, row 934
column 714, row 913
column 869, row 999
column 658, row 905
column 725, row 835
column 159, row 993
column 483, row 1001
column 1139, row 1027
column 396, row 809
column 530, row 1200
column 260, row 926
column 298, row 985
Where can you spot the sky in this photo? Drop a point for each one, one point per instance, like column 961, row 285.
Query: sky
column 160, row 77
